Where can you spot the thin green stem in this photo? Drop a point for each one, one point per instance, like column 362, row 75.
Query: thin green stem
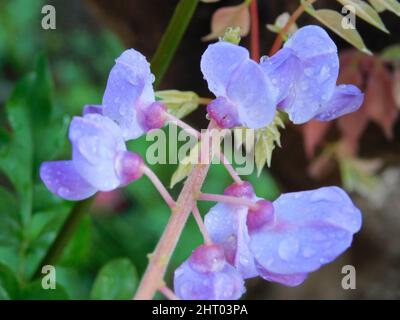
column 172, row 37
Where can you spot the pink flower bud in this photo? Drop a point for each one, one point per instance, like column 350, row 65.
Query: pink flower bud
column 128, row 167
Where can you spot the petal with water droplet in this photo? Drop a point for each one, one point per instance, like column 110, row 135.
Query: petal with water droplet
column 346, row 99
column 219, row 62
column 61, row 178
column 311, row 230
column 129, row 87
column 96, row 140
column 253, row 94
column 226, row 284
column 226, row 225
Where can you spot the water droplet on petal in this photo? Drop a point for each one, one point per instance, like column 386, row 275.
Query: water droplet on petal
column 288, row 248
column 308, row 252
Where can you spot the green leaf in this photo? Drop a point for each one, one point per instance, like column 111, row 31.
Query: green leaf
column 40, row 99
column 35, row 291
column 77, row 250
column 179, row 103
column 391, row 5
column 9, row 287
column 266, row 140
column 4, row 141
column 333, row 20
column 378, row 6
column 358, row 175
column 391, row 53
column 232, row 35
column 16, row 163
column 51, row 139
column 116, row 280
column 9, row 224
column 172, row 37
column 185, row 166
column 366, row 12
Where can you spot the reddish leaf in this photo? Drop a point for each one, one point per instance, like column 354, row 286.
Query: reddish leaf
column 235, row 16
column 313, row 133
column 352, row 127
column 396, row 85
column 349, row 71
column 379, row 103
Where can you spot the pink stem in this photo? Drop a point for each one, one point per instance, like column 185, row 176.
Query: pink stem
column 230, row 169
column 197, row 134
column 154, row 274
column 227, row 199
column 159, row 186
column 200, row 223
column 182, row 124
column 168, row 293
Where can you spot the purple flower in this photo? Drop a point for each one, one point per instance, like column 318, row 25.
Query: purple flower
column 305, row 72
column 289, row 238
column 226, row 225
column 245, row 95
column 92, row 108
column 129, row 96
column 207, row 276
column 100, row 160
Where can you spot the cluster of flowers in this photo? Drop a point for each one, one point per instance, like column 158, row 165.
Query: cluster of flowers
column 100, row 159
column 281, row 241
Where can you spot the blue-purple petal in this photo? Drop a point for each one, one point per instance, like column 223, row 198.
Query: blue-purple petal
column 226, row 284
column 219, row 62
column 311, row 41
column 253, row 94
column 61, row 178
column 96, row 140
column 129, row 87
column 289, row 280
column 282, row 69
column 92, row 108
column 226, row 225
column 346, row 99
column 312, row 228
column 316, row 77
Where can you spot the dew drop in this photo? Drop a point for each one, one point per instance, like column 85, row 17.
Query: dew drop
column 264, row 59
column 288, row 249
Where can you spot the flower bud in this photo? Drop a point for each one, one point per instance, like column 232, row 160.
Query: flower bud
column 223, row 112
column 128, row 166
column 152, row 117
column 263, row 215
column 244, row 189
column 207, row 258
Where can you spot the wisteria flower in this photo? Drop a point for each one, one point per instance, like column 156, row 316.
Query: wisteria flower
column 129, row 96
column 291, row 237
column 305, row 72
column 244, row 94
column 207, row 276
column 226, row 225
column 100, row 160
